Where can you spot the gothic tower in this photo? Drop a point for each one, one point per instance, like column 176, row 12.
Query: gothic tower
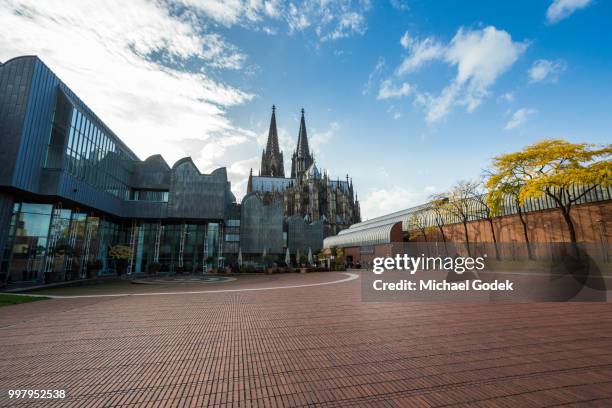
column 272, row 164
column 302, row 159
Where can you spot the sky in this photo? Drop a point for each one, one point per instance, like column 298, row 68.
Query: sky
column 406, row 96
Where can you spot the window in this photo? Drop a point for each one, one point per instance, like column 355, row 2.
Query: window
column 232, row 237
column 94, row 157
column 148, row 195
column 233, row 223
column 59, row 128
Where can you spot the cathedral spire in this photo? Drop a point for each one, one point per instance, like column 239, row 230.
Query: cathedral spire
column 302, row 145
column 302, row 159
column 272, row 158
column 250, row 182
column 272, row 145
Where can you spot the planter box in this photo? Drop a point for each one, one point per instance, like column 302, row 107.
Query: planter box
column 50, row 277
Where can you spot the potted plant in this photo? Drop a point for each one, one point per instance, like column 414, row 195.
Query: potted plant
column 154, row 268
column 61, row 249
column 50, row 277
column 269, row 262
column 229, row 261
column 93, row 267
column 303, row 261
column 120, row 254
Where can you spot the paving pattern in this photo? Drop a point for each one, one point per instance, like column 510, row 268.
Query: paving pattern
column 310, row 346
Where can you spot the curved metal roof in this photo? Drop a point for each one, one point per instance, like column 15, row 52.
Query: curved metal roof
column 398, row 216
column 380, row 234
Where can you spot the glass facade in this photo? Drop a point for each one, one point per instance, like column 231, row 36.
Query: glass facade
column 177, row 248
column 92, row 155
column 232, row 236
column 27, row 244
column 49, row 243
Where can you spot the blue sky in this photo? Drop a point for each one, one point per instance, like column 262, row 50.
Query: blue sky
column 406, row 96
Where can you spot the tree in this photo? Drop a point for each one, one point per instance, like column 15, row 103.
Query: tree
column 121, row 254
column 418, row 222
column 500, row 186
column 461, row 205
column 563, row 171
column 339, row 254
column 439, row 209
column 485, row 211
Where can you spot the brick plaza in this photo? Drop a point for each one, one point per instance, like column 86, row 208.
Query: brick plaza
column 316, row 345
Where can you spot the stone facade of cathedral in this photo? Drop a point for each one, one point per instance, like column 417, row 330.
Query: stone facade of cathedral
column 308, row 193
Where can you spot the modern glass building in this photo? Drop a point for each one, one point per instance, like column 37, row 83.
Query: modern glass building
column 71, row 190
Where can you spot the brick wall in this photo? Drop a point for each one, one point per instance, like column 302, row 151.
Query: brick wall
column 593, row 224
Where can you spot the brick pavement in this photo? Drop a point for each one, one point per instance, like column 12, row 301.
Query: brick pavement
column 312, row 346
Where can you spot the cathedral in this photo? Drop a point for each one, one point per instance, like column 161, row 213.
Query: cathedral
column 309, row 192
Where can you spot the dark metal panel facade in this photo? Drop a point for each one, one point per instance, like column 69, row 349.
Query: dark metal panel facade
column 302, row 235
column 36, row 128
column 261, row 226
column 15, row 81
column 196, row 195
column 152, row 173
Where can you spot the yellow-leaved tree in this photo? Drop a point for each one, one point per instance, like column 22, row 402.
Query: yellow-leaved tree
column 563, row 171
column 417, row 223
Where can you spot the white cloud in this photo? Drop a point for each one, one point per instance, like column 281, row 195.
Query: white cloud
column 272, row 8
column 380, row 65
column 318, row 139
column 519, row 118
column 479, row 56
column 546, row 71
column 349, row 23
column 405, row 40
column 388, row 90
column 561, row 9
column 128, row 62
column 296, row 19
column 225, row 12
column 419, row 52
column 238, row 172
column 437, row 107
column 506, row 97
column 328, row 19
column 381, row 201
column 401, row 5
